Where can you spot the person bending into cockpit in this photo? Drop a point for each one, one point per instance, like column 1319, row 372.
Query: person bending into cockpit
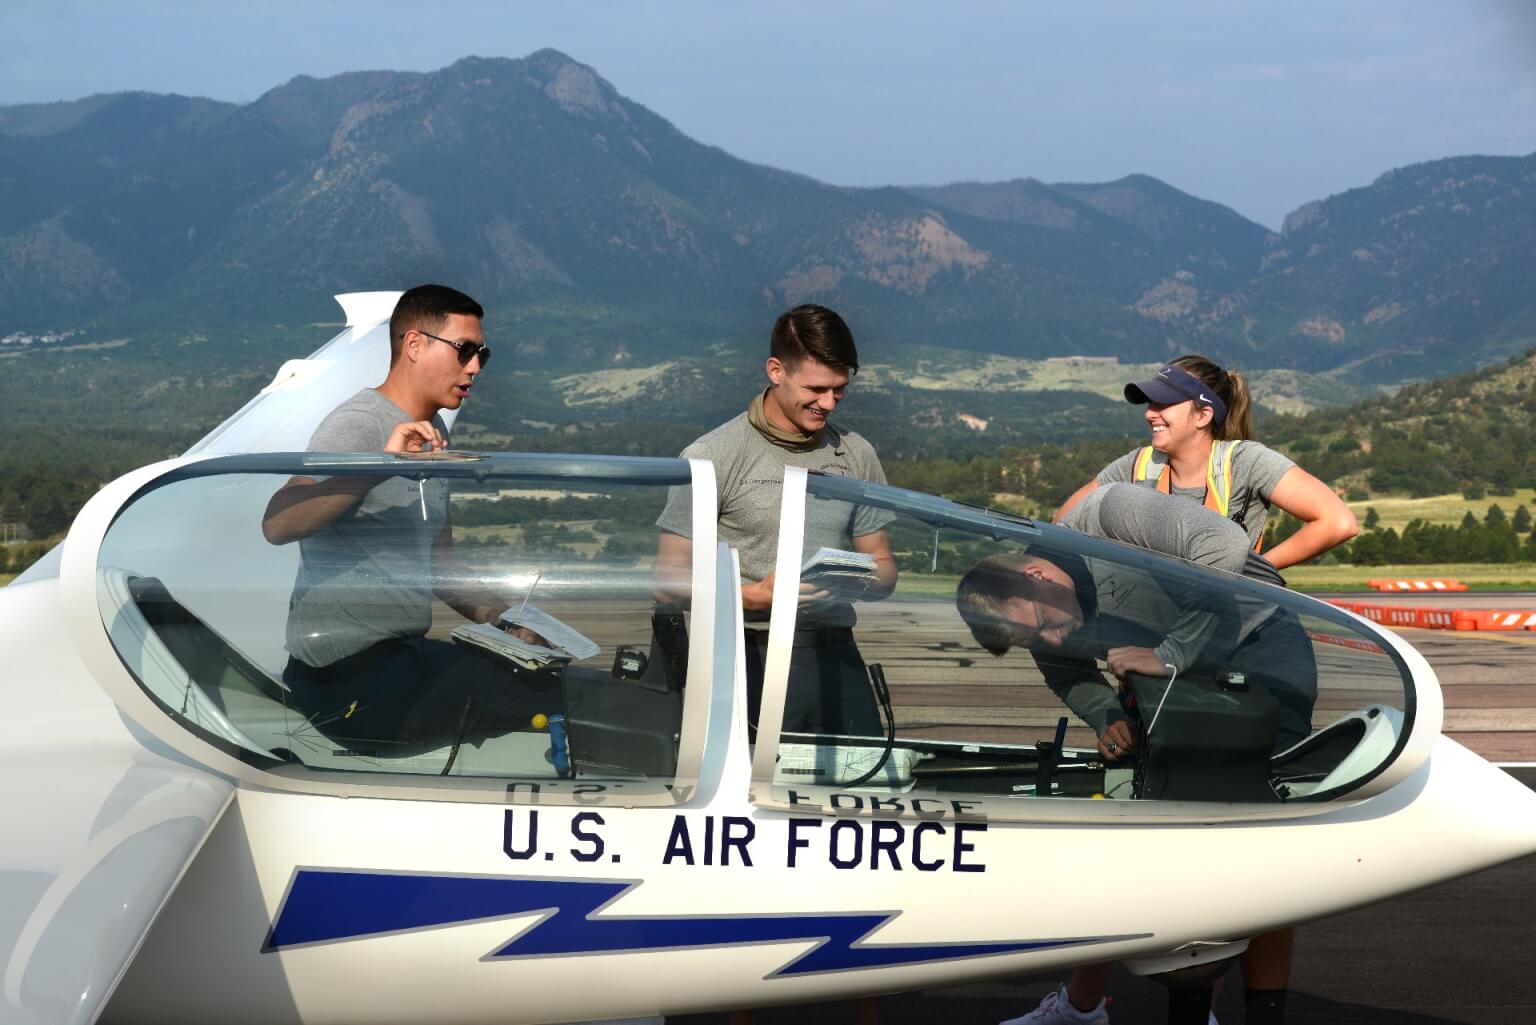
column 374, row 551
column 1070, row 611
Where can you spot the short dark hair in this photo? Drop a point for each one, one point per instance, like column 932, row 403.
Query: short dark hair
column 987, row 586
column 817, row 332
column 427, row 308
column 981, row 593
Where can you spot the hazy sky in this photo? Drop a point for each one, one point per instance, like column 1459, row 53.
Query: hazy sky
column 1262, row 106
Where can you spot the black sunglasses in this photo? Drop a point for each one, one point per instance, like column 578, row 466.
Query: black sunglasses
column 466, row 350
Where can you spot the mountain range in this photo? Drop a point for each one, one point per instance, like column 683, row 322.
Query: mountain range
column 600, row 236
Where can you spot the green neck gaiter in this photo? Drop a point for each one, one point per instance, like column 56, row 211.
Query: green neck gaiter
column 795, row 441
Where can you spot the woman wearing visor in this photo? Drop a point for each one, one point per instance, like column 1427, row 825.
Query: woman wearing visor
column 1201, row 448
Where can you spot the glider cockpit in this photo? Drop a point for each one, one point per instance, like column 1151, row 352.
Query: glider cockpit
column 1277, row 704
column 198, row 606
column 1277, row 701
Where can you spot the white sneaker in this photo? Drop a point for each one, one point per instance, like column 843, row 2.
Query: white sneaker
column 1056, row 1009
column 1213, row 1020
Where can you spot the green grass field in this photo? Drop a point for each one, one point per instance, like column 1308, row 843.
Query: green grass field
column 1394, row 511
column 1398, row 512
column 1518, row 576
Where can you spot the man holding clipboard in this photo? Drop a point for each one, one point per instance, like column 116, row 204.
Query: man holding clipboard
column 812, row 357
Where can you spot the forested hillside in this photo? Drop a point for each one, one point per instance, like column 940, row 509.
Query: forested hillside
column 611, row 239
column 1473, row 434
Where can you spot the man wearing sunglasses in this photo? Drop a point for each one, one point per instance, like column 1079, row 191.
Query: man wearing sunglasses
column 374, row 551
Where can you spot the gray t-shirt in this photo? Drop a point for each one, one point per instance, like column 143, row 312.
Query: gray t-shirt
column 1146, row 519
column 367, row 577
column 1136, row 607
column 749, row 480
column 1256, row 469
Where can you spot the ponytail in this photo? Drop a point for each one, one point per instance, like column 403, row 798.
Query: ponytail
column 1238, row 426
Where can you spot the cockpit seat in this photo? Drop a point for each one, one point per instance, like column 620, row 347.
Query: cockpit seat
column 628, row 726
column 183, row 663
column 1341, row 752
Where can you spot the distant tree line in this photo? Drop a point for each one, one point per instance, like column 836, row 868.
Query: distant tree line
column 1474, row 434
column 16, row 557
column 47, row 475
column 1048, row 474
column 1496, row 538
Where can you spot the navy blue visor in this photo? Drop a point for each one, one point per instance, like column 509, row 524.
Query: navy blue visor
column 1172, row 386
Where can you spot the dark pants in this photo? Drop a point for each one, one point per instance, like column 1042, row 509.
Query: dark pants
column 416, row 693
column 828, row 689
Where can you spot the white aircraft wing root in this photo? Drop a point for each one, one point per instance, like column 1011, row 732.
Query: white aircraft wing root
column 69, row 929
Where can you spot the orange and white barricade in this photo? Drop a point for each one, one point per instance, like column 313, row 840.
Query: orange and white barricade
column 1443, row 619
column 1418, row 585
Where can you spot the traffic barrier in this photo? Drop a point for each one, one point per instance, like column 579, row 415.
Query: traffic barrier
column 1443, row 619
column 1358, row 643
column 1417, row 584
column 1375, row 613
column 1502, row 619
column 1436, row 619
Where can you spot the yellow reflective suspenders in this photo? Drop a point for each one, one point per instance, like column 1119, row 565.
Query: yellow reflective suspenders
column 1152, row 465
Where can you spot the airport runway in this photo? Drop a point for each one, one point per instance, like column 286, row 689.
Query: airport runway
column 1445, row 599
column 1463, row 952
column 1489, row 679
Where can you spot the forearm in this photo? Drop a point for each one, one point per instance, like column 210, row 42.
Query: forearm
column 1312, row 540
column 303, row 506
column 885, row 579
column 458, row 586
column 1326, row 520
column 672, row 572
column 1084, row 690
column 877, row 545
column 474, row 604
column 757, row 595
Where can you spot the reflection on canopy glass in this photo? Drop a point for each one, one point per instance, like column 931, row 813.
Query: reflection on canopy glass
column 490, row 616
column 992, row 661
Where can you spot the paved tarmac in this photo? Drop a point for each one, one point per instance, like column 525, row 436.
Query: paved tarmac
column 1441, row 599
column 1463, row 952
column 1488, row 678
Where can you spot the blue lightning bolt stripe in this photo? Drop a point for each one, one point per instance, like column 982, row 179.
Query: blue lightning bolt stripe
column 328, row 906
